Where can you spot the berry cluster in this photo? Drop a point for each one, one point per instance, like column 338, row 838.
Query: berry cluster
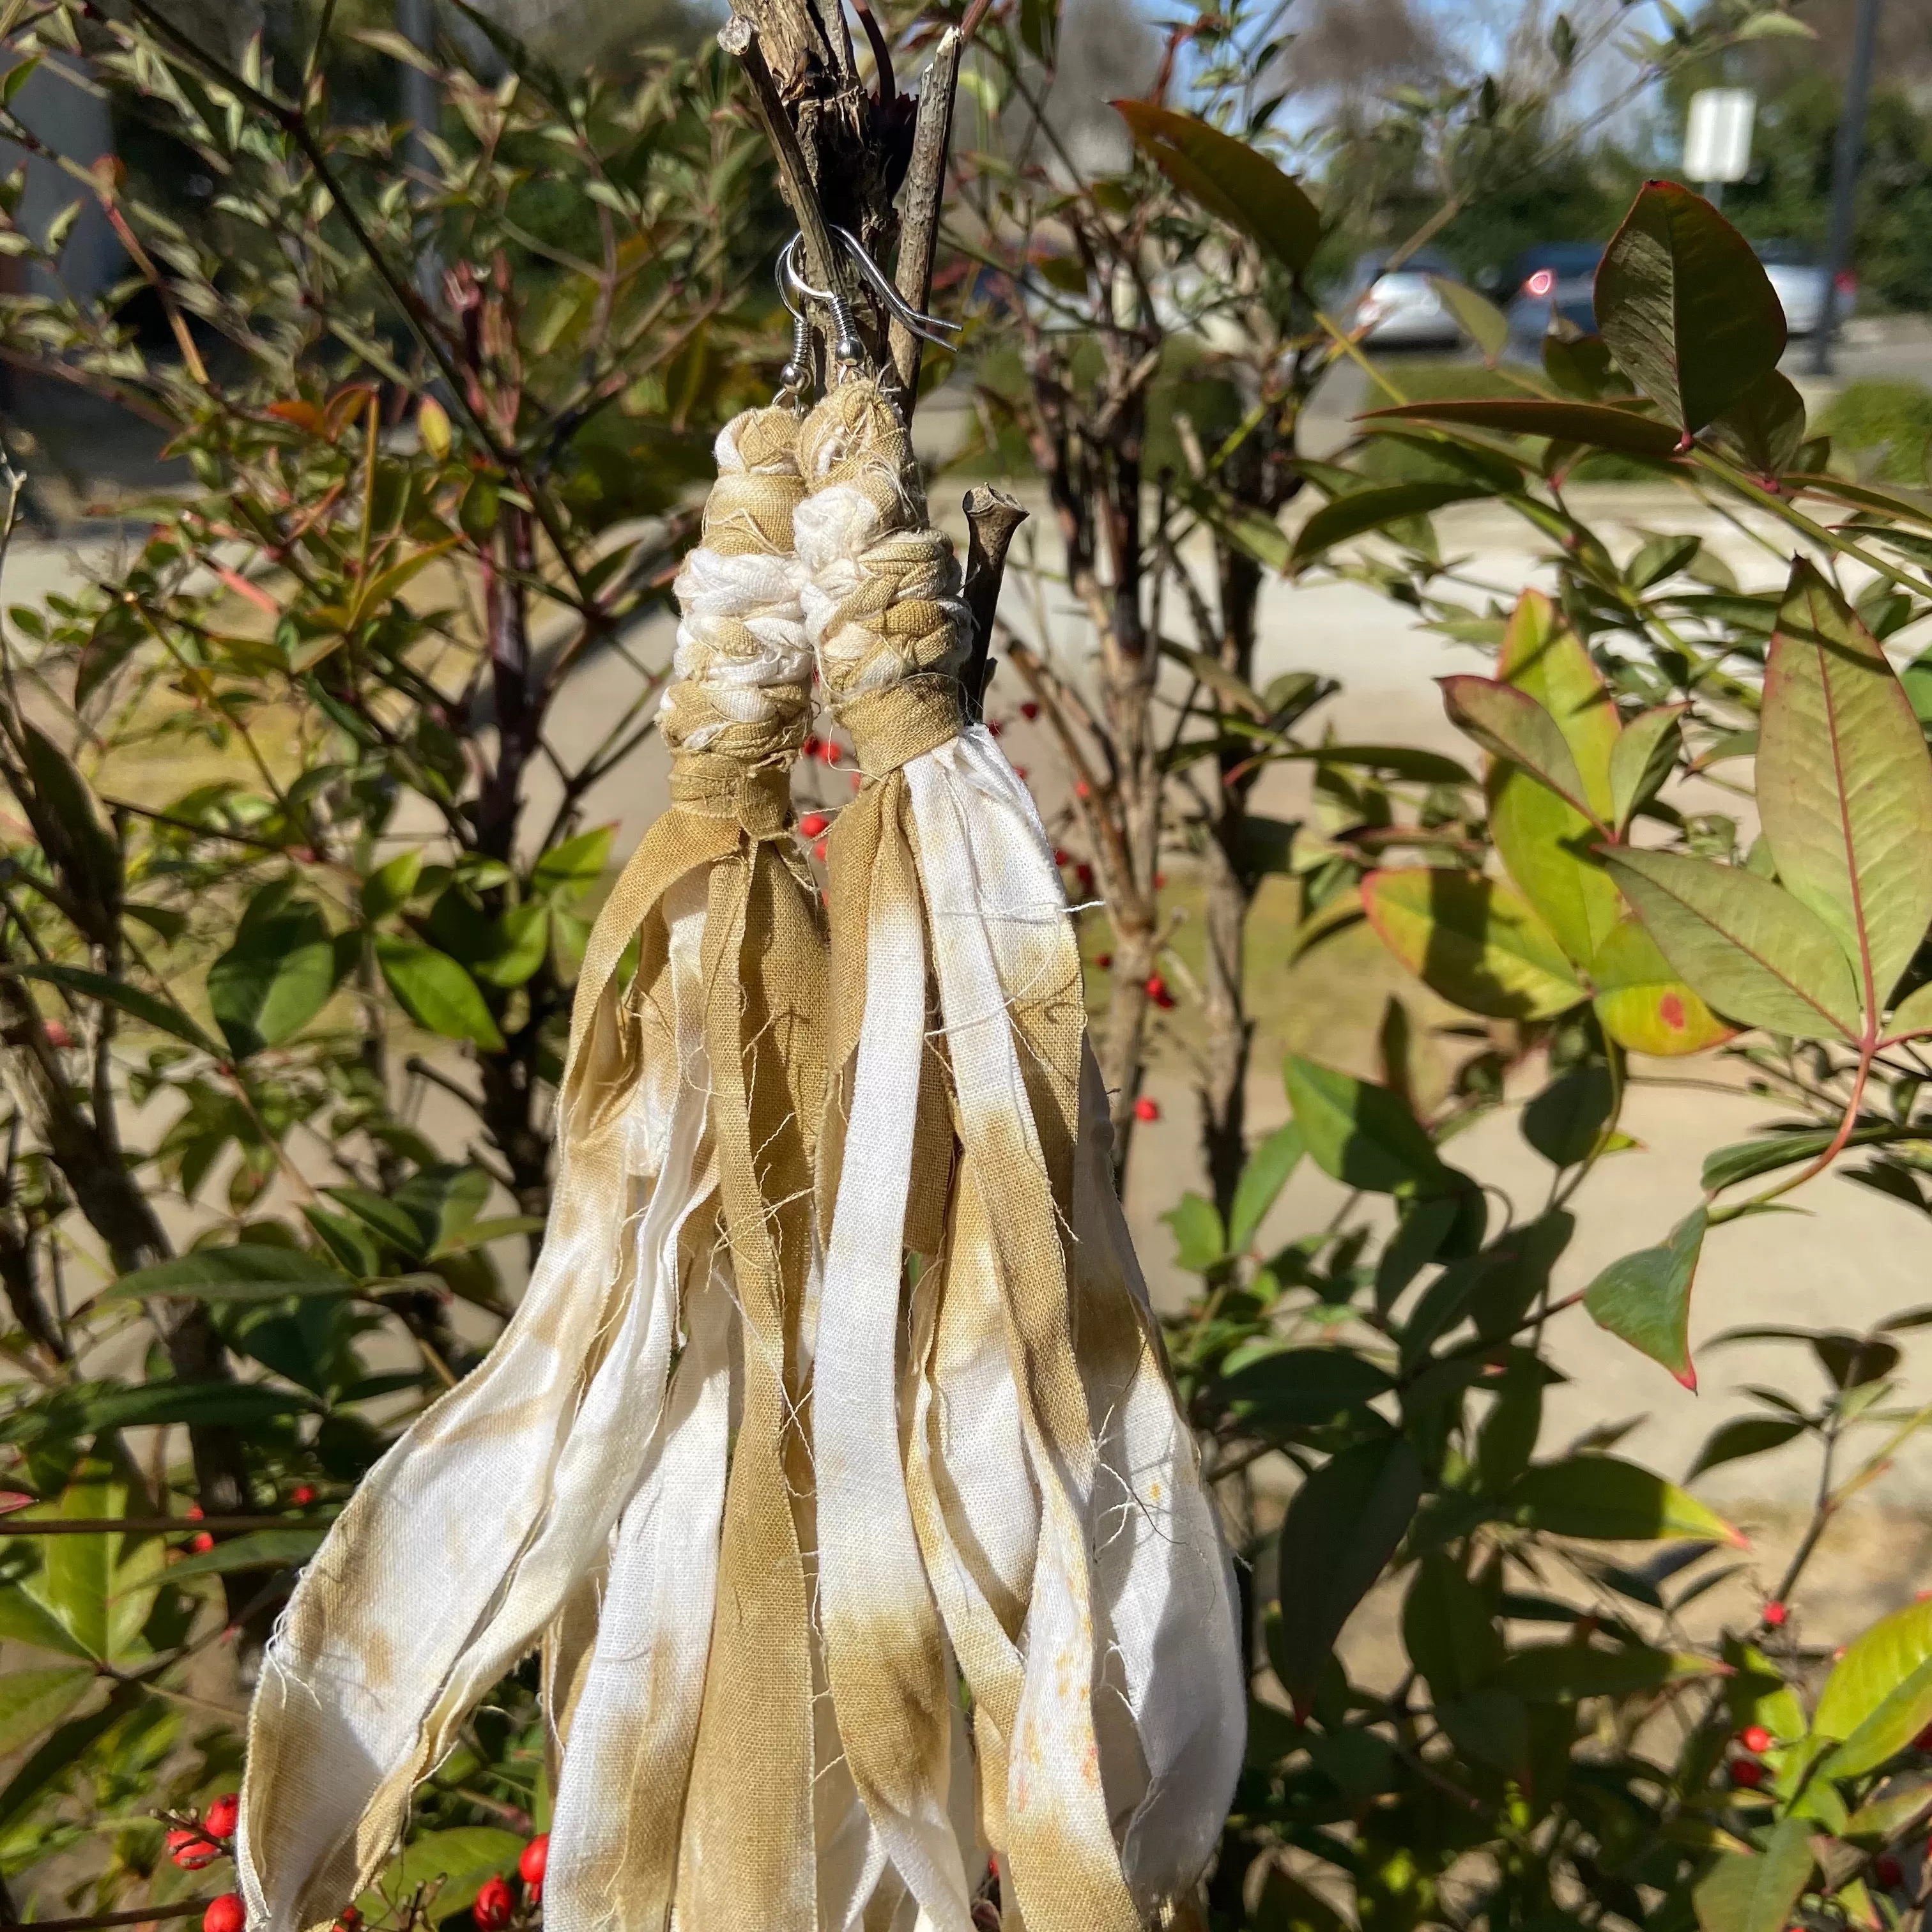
column 496, row 1906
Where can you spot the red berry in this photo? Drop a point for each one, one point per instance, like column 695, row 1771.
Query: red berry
column 302, row 1495
column 818, row 850
column 1104, row 962
column 828, row 751
column 1029, row 711
column 225, row 1914
column 1755, row 1737
column 218, row 1820
column 858, row 779
column 1159, row 880
column 1059, row 858
column 202, row 1544
column 351, row 1920
column 1775, row 1612
column 813, row 824
column 191, row 1849
column 1157, row 991
column 58, row 1036
column 195, row 1512
column 1746, row 1771
column 1923, row 1740
column 1888, row 1871
column 1146, row 1109
column 1019, row 773
column 811, row 748
column 495, row 1905
column 994, row 727
column 536, row 1856
column 1082, row 789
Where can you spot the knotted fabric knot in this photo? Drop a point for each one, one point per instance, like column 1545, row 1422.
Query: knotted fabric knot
column 759, row 797
column 743, row 663
column 881, row 590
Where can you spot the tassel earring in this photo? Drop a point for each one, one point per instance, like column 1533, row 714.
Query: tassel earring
column 620, row 1474
column 1004, row 1486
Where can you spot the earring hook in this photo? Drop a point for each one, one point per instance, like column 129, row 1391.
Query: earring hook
column 921, row 325
column 847, row 350
column 796, row 375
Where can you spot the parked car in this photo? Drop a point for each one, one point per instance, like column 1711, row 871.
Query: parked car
column 1554, row 278
column 1799, row 277
column 1396, row 308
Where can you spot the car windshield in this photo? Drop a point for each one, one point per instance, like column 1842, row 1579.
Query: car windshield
column 1424, row 262
column 1784, row 254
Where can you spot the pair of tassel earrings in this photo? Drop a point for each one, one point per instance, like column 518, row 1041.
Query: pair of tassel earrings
column 830, row 1457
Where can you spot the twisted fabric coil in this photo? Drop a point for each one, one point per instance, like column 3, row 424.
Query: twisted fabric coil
column 618, row 1479
column 1043, row 1529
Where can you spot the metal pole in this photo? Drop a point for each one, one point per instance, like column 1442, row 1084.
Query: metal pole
column 1845, row 181
column 415, row 21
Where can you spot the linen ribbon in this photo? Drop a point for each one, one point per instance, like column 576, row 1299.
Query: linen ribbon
column 619, row 1475
column 1004, row 1486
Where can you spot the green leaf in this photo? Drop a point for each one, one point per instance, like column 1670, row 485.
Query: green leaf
column 232, row 1405
column 1547, row 847
column 1363, row 510
column 1844, row 783
column 61, row 1751
column 1560, row 1673
column 1449, row 1630
column 34, row 1701
column 1744, row 1435
column 1642, row 1004
column 1240, row 528
column 1747, row 946
column 26, row 1619
column 1686, row 306
column 1229, row 179
column 1199, row 1240
column 1565, row 1121
column 1913, row 1015
column 1878, row 1695
column 1262, row 1179
column 1341, row 1527
column 275, row 978
column 1480, row 320
column 1604, row 1498
column 158, row 1013
column 436, row 993
column 1598, row 425
column 571, row 869
column 1765, row 427
column 1659, row 558
column 1642, row 758
column 1474, row 940
column 453, row 1864
column 1273, row 1391
column 387, row 889
column 523, row 932
column 1510, row 724
column 1750, row 1891
column 1645, row 1298
column 1542, row 656
column 244, row 1273
column 1359, row 1134
column 1745, row 1160
column 259, row 1549
column 64, row 815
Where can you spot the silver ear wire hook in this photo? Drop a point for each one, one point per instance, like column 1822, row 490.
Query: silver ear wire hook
column 927, row 326
column 847, row 350
column 795, row 375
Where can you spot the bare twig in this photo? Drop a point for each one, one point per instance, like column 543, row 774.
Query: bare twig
column 992, row 517
column 823, row 261
column 150, row 1525
column 184, row 1908
column 919, row 221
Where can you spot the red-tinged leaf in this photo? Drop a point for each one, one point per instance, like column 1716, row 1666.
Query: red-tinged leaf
column 1229, row 179
column 303, row 416
column 1642, row 759
column 1862, row 496
column 1595, row 425
column 1510, row 724
column 1844, row 784
column 1686, row 306
column 241, row 587
column 1642, row 1004
column 1473, row 940
column 1751, row 950
column 1878, row 1695
column 1541, row 655
column 1765, row 427
column 1645, row 1298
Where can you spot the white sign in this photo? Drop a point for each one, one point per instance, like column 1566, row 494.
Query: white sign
column 1716, row 144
